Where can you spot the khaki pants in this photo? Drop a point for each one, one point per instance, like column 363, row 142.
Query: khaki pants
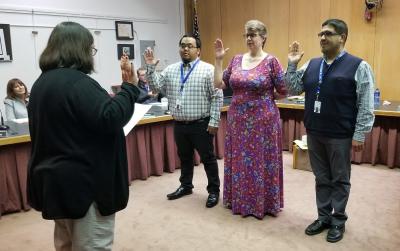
column 92, row 232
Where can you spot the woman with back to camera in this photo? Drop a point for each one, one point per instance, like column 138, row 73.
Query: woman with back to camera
column 16, row 101
column 253, row 172
column 78, row 168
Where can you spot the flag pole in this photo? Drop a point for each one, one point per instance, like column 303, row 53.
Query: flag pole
column 196, row 30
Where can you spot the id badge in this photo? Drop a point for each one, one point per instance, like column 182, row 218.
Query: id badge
column 317, row 106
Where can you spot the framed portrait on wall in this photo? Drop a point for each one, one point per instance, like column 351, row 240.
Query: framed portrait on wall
column 129, row 49
column 5, row 43
column 124, row 30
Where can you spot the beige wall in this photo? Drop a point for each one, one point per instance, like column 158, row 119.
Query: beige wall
column 377, row 41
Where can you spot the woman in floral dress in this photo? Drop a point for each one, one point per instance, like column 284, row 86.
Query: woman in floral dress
column 253, row 172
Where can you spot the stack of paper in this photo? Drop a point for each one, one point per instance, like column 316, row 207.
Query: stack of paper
column 301, row 144
column 295, row 98
column 20, row 121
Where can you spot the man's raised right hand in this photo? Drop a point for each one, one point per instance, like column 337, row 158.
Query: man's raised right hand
column 149, row 57
column 295, row 55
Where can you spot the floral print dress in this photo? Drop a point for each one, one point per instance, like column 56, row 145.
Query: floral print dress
column 253, row 172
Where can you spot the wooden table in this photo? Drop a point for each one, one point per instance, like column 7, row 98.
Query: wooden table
column 151, row 148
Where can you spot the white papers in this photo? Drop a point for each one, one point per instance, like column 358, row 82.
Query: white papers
column 162, row 105
column 149, row 115
column 138, row 114
column 300, row 98
column 301, row 144
column 20, row 121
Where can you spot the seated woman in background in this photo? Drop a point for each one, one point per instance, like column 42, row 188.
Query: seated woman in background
column 16, row 101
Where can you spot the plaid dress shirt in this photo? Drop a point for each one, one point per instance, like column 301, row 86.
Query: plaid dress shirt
column 198, row 99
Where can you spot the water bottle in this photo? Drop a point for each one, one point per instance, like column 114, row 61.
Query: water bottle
column 164, row 104
column 377, row 97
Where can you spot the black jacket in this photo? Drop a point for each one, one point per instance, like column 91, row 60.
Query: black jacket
column 78, row 145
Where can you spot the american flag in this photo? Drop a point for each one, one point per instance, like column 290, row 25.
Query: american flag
column 196, row 30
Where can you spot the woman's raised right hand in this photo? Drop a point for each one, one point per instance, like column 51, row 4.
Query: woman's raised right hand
column 219, row 49
column 128, row 70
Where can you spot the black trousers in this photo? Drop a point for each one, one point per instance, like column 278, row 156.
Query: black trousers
column 330, row 162
column 190, row 136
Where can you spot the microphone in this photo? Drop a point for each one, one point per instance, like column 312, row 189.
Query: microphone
column 3, row 126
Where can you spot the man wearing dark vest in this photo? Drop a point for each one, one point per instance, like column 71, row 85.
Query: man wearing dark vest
column 338, row 112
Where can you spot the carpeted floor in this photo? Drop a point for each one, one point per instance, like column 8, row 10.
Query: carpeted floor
column 151, row 222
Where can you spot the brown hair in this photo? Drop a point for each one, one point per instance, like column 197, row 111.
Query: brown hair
column 257, row 26
column 10, row 89
column 70, row 46
column 140, row 69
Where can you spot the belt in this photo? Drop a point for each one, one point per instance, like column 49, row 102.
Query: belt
column 190, row 122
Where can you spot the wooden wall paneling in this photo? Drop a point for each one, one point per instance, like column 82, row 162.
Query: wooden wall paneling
column 288, row 20
column 188, row 9
column 275, row 15
column 387, row 56
column 306, row 17
column 209, row 18
column 234, row 15
column 361, row 39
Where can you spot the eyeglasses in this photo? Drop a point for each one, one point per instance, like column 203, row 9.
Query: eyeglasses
column 189, row 46
column 251, row 35
column 327, row 34
column 94, row 51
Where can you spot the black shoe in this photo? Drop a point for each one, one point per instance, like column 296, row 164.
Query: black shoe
column 316, row 227
column 212, row 200
column 181, row 191
column 335, row 233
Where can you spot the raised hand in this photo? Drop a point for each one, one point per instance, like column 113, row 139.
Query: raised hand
column 125, row 64
column 219, row 49
column 149, row 57
column 128, row 70
column 294, row 53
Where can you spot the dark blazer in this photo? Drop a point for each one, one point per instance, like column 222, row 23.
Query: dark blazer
column 144, row 94
column 144, row 97
column 78, row 146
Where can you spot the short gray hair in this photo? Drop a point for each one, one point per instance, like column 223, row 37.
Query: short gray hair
column 257, row 26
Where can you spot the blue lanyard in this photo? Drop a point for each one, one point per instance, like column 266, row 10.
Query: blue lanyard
column 321, row 73
column 184, row 79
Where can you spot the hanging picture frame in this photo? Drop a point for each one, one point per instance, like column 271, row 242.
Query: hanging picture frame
column 128, row 49
column 5, row 43
column 124, row 30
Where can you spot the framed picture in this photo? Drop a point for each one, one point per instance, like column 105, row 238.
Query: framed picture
column 5, row 43
column 129, row 49
column 124, row 30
